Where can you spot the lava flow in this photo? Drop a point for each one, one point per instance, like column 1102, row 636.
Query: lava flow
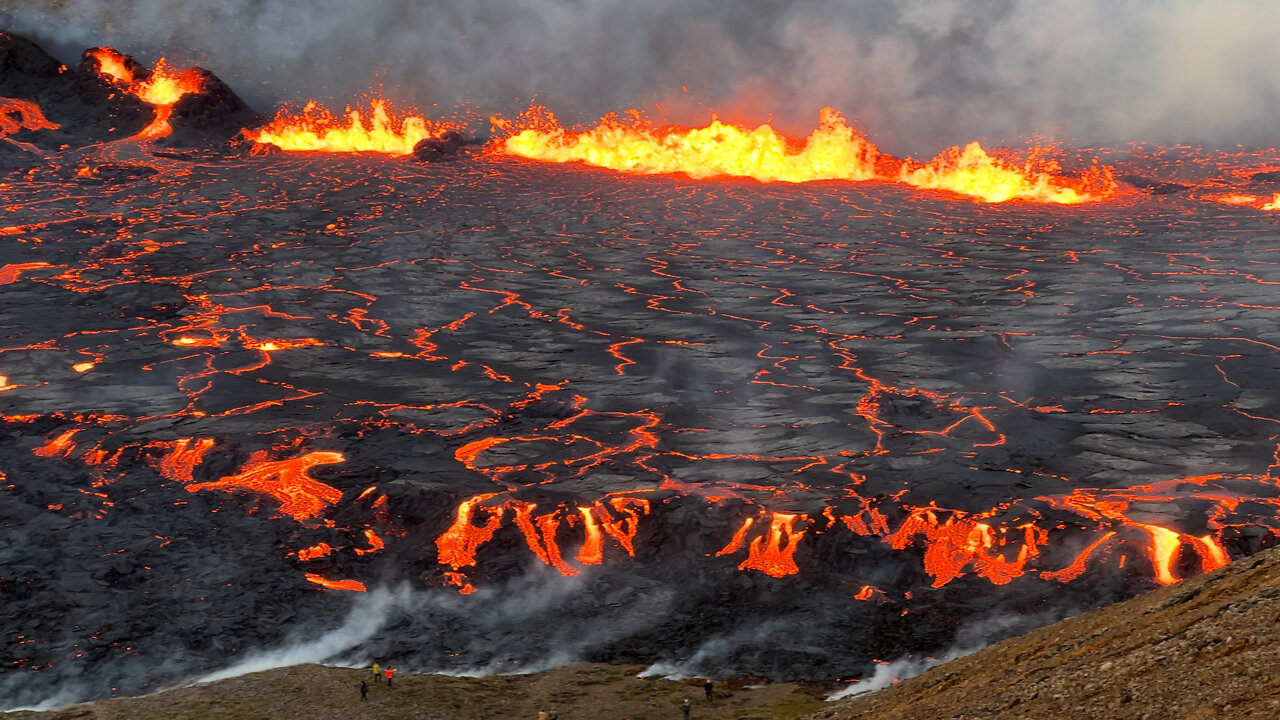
column 833, row 151
column 162, row 87
column 774, row 428
column 315, row 129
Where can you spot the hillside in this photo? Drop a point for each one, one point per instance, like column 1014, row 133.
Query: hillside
column 1204, row 648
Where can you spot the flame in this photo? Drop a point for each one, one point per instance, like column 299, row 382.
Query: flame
column 355, row 585
column 163, row 89
column 316, row 129
column 833, row 151
column 301, row 497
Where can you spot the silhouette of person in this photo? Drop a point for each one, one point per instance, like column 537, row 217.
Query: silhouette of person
column 706, row 687
column 686, row 707
column 364, row 691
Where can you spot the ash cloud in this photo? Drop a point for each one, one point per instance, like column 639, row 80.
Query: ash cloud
column 916, row 75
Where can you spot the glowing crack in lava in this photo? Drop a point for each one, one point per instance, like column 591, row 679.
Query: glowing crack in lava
column 833, row 151
column 163, row 87
column 315, row 129
column 845, row 417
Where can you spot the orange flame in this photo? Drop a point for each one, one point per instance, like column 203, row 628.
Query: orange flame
column 316, row 129
column 833, row 151
column 301, row 497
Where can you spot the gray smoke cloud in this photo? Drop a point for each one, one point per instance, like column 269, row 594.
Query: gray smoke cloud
column 916, row 75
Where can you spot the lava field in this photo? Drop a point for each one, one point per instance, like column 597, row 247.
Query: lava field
column 488, row 413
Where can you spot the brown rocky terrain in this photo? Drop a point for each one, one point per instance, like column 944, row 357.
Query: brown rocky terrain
column 1204, row 648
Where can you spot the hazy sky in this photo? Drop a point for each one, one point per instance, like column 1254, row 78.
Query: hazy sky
column 915, row 75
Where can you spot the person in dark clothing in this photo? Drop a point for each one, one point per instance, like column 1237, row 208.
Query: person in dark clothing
column 686, row 707
column 706, row 686
column 364, row 691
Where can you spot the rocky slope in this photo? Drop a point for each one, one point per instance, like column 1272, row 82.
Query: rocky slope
column 1207, row 647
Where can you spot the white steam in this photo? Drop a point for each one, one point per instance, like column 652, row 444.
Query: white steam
column 368, row 615
column 916, row 75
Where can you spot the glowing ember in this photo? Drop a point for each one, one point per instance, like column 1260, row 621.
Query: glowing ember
column 82, row 367
column 301, row 497
column 316, row 129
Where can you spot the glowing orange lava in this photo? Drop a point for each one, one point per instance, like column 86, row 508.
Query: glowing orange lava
column 162, row 89
column 833, row 151
column 301, row 497
column 355, row 585
column 18, row 115
column 13, row 271
column 971, row 171
column 456, row 547
column 315, row 129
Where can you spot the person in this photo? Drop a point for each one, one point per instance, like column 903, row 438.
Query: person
column 706, row 686
column 542, row 715
column 364, row 691
column 377, row 672
column 390, row 673
column 685, row 706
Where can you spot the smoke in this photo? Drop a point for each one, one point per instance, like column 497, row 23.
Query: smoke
column 368, row 615
column 916, row 75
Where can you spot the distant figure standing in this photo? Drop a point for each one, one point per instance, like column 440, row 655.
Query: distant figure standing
column 364, row 691
column 686, row 707
column 390, row 673
column 377, row 672
column 706, row 686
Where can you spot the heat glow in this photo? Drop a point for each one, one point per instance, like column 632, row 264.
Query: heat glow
column 163, row 88
column 315, row 129
column 833, row 151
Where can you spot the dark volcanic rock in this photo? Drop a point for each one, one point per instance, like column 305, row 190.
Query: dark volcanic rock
column 446, row 147
column 215, row 114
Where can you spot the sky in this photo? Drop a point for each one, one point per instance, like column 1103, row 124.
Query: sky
column 916, row 76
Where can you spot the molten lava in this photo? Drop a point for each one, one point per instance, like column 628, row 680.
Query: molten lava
column 833, row 151
column 971, row 171
column 18, row 115
column 163, row 88
column 288, row 481
column 315, row 129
